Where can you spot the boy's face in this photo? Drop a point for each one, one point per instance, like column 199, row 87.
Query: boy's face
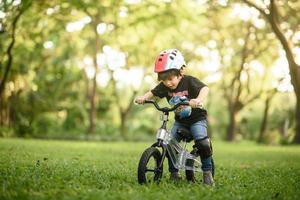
column 172, row 82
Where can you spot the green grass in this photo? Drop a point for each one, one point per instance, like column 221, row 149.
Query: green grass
column 35, row 169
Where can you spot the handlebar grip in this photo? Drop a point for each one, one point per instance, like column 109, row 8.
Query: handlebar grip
column 149, row 101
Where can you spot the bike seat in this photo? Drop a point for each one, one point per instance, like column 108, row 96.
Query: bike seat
column 185, row 134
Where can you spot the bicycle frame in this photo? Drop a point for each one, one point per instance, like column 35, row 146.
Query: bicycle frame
column 178, row 154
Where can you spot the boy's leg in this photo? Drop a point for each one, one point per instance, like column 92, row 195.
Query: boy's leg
column 202, row 142
column 199, row 132
column 205, row 151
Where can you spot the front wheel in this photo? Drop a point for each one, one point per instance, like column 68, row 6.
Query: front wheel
column 148, row 170
column 190, row 174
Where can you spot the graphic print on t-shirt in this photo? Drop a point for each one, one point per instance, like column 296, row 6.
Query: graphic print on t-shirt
column 184, row 93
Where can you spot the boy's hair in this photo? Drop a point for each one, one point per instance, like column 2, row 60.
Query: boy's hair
column 161, row 76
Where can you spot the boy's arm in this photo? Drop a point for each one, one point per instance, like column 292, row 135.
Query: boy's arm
column 141, row 99
column 198, row 102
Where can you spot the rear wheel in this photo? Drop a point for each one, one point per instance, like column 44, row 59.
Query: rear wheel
column 190, row 174
column 148, row 170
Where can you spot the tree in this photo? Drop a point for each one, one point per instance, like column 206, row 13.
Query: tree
column 273, row 15
column 14, row 14
column 241, row 82
column 8, row 27
column 264, row 122
column 237, row 88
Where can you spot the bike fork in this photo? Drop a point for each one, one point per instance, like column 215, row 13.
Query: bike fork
column 163, row 153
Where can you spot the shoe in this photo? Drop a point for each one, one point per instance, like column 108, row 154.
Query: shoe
column 208, row 179
column 175, row 176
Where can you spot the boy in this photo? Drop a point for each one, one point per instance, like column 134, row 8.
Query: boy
column 173, row 85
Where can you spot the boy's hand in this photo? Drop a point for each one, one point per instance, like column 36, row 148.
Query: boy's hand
column 140, row 100
column 196, row 103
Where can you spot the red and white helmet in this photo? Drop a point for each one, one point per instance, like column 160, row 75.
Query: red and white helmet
column 168, row 59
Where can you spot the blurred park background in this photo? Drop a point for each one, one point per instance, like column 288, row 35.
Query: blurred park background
column 71, row 69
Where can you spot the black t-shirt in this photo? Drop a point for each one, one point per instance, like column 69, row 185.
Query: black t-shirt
column 189, row 87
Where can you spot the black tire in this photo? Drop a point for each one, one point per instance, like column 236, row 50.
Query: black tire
column 148, row 170
column 190, row 174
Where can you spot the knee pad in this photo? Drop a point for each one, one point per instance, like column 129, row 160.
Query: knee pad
column 204, row 147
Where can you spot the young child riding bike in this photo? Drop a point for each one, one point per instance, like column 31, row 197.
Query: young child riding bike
column 174, row 85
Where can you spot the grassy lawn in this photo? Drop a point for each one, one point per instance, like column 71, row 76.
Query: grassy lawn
column 36, row 169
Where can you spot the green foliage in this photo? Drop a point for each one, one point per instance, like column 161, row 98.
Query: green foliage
column 104, row 170
column 48, row 91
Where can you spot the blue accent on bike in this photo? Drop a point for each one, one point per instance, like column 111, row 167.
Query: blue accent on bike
column 182, row 111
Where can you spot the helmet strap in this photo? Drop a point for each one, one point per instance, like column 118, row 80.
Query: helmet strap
column 181, row 71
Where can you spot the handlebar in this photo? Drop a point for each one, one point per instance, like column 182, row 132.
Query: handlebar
column 166, row 109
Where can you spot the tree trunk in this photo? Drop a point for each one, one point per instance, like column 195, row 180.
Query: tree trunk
column 123, row 131
column 93, row 106
column 264, row 122
column 232, row 125
column 92, row 114
column 9, row 52
column 297, row 136
column 209, row 130
column 293, row 66
column 285, row 130
column 234, row 103
column 2, row 109
column 124, row 114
